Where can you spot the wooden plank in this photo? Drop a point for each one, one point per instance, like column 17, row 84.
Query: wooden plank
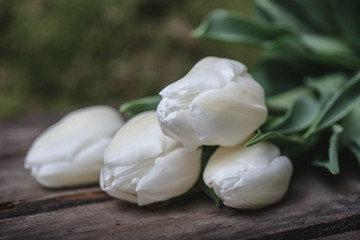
column 317, row 205
column 312, row 208
column 192, row 218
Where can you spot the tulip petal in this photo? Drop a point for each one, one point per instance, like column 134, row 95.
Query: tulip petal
column 92, row 153
column 172, row 175
column 60, row 174
column 227, row 116
column 209, row 73
column 76, row 130
column 140, row 138
column 177, row 125
column 107, row 185
column 126, row 178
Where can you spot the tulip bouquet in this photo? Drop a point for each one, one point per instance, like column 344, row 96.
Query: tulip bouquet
column 191, row 138
column 214, row 130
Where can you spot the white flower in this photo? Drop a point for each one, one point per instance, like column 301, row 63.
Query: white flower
column 216, row 103
column 143, row 166
column 70, row 152
column 248, row 177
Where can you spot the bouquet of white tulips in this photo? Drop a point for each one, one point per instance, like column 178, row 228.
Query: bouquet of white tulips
column 214, row 130
column 158, row 155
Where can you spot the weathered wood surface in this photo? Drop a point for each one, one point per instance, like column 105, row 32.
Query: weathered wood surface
column 317, row 205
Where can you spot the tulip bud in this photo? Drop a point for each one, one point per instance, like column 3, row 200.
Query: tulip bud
column 143, row 166
column 248, row 177
column 70, row 152
column 216, row 103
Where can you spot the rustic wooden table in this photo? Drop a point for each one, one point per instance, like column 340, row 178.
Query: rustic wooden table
column 317, row 205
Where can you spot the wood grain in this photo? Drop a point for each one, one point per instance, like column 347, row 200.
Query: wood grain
column 317, row 205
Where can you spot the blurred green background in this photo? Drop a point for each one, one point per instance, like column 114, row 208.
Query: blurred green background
column 59, row 55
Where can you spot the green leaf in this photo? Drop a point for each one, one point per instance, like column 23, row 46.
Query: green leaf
column 326, row 85
column 329, row 49
column 347, row 15
column 285, row 12
column 276, row 79
column 326, row 46
column 140, row 105
column 298, row 117
column 333, row 149
column 341, row 103
column 355, row 149
column 333, row 164
column 283, row 35
column 321, row 15
column 351, row 134
column 291, row 145
column 225, row 26
column 259, row 137
column 280, row 73
column 315, row 28
column 351, row 126
column 284, row 101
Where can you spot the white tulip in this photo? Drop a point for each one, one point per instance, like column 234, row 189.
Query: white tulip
column 248, row 177
column 143, row 166
column 216, row 103
column 70, row 152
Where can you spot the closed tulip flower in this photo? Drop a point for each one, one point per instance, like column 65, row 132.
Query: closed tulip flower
column 144, row 166
column 70, row 152
column 248, row 177
column 216, row 103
